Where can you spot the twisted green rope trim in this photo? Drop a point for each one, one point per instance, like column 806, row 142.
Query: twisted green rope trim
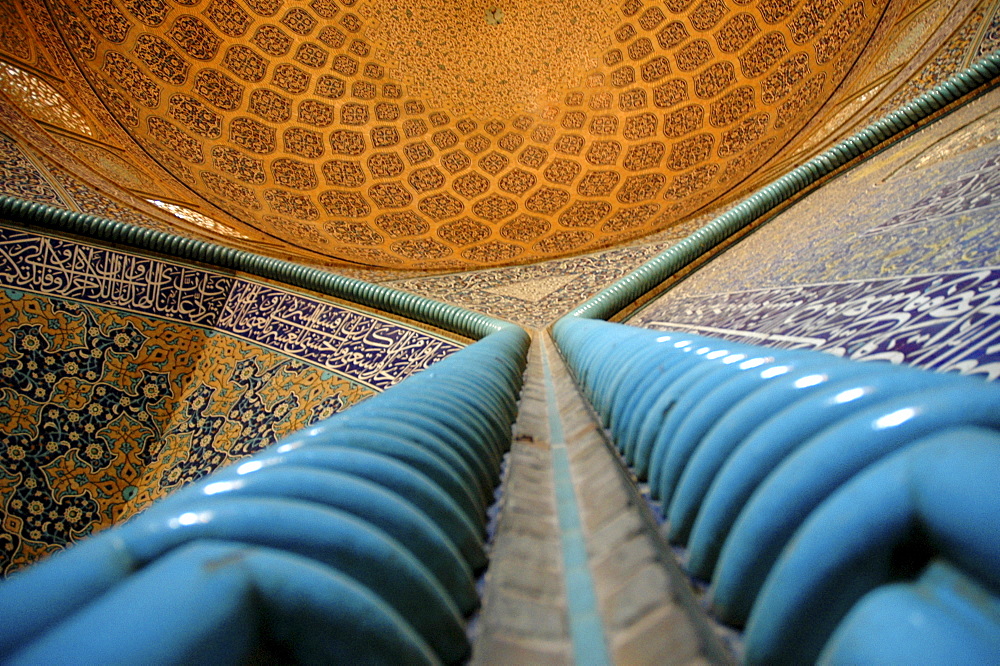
column 442, row 315
column 623, row 292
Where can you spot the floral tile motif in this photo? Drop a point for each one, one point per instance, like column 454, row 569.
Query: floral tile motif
column 85, row 395
column 239, row 398
column 104, row 411
column 20, row 178
column 536, row 303
column 123, row 377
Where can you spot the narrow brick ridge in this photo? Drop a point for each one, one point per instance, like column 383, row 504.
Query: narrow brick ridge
column 586, row 629
column 577, row 573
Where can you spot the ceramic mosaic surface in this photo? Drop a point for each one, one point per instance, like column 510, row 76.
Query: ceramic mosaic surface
column 22, row 176
column 121, row 139
column 436, row 136
column 967, row 42
column 124, row 377
column 898, row 259
column 535, row 296
column 19, row 177
column 361, row 346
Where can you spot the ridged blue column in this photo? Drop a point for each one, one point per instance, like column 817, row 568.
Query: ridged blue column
column 827, row 502
column 353, row 540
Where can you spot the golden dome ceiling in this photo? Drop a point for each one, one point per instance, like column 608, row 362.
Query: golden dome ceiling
column 450, row 135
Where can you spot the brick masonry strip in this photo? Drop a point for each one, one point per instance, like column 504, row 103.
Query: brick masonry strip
column 643, row 610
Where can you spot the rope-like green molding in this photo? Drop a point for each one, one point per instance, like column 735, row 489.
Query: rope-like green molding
column 442, row 315
column 623, row 292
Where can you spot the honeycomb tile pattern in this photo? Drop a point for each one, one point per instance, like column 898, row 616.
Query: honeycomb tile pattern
column 417, row 135
column 550, row 42
column 916, row 46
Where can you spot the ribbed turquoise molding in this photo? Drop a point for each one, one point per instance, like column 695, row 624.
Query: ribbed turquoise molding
column 678, row 407
column 449, row 317
column 354, row 540
column 827, row 502
column 627, row 290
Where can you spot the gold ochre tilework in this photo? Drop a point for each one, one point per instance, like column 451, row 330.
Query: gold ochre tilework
column 446, row 136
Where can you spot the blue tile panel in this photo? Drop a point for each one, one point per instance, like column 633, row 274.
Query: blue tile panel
column 897, row 259
column 355, row 344
column 944, row 321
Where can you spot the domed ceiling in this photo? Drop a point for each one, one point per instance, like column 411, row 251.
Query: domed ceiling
column 436, row 134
